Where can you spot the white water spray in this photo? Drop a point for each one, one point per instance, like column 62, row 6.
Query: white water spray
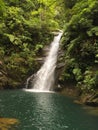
column 44, row 78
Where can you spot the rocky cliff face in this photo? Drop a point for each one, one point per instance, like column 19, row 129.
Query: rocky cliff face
column 59, row 70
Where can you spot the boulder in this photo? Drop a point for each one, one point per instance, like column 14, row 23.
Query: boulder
column 92, row 100
column 89, row 99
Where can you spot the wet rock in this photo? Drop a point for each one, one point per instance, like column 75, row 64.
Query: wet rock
column 1, row 73
column 92, row 100
column 59, row 70
column 40, row 60
column 89, row 99
column 92, row 103
column 58, row 88
column 7, row 123
column 60, row 65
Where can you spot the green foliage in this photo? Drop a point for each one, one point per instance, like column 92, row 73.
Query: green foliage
column 38, row 47
column 25, row 28
column 78, row 74
column 68, row 75
column 80, row 42
column 69, row 3
column 93, row 31
column 2, row 52
column 89, row 82
column 2, row 7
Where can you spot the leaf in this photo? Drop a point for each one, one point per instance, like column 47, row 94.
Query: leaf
column 93, row 31
column 11, row 37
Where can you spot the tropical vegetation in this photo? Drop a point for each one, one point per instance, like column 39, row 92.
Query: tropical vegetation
column 80, row 44
column 26, row 28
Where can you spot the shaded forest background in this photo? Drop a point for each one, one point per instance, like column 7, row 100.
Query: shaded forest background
column 26, row 28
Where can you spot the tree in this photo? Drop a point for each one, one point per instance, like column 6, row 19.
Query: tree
column 80, row 39
column 25, row 28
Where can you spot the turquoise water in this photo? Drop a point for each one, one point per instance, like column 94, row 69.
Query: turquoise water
column 44, row 111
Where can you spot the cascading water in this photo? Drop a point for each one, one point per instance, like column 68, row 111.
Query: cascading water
column 44, row 78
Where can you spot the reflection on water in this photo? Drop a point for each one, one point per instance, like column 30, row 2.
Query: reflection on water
column 43, row 111
column 46, row 113
column 7, row 123
column 91, row 110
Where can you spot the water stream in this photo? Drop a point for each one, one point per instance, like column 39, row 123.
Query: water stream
column 44, row 78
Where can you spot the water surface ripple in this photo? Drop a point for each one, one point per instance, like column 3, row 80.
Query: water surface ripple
column 44, row 111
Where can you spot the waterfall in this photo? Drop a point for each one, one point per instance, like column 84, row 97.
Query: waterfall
column 44, row 79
